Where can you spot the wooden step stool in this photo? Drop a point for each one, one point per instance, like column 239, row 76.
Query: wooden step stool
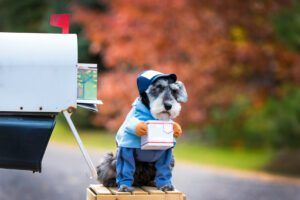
column 99, row 192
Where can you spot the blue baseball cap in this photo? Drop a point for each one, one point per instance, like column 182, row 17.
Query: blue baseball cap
column 146, row 78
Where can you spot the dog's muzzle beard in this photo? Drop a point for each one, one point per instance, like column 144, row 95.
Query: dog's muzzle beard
column 163, row 115
column 164, row 109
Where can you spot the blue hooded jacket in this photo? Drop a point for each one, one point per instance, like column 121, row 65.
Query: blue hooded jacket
column 126, row 136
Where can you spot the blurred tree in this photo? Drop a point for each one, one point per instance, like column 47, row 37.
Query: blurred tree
column 217, row 48
column 287, row 25
column 17, row 16
column 275, row 125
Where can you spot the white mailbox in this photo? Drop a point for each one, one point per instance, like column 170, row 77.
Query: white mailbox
column 38, row 80
column 38, row 72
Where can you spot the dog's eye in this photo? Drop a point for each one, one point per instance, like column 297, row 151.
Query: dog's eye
column 160, row 87
column 174, row 92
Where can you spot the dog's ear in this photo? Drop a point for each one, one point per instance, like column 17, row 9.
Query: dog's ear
column 181, row 95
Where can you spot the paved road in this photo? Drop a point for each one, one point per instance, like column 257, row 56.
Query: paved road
column 65, row 177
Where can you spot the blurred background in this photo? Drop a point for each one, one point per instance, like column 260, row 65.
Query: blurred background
column 239, row 61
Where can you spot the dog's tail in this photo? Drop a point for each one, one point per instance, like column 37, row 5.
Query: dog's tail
column 106, row 170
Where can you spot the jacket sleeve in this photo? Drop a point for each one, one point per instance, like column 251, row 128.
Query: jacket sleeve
column 131, row 124
column 134, row 117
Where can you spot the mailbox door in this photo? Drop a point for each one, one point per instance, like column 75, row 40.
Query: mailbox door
column 23, row 141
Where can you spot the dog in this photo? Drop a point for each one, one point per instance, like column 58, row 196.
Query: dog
column 160, row 98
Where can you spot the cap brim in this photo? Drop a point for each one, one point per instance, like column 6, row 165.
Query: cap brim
column 171, row 76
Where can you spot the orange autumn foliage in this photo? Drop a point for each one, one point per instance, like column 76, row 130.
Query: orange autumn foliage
column 219, row 49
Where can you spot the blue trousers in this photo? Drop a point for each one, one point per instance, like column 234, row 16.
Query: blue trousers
column 126, row 158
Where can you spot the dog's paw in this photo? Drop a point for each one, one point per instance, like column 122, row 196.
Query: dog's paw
column 167, row 188
column 125, row 188
column 177, row 130
column 141, row 129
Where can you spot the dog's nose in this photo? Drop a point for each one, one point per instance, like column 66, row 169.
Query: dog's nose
column 168, row 106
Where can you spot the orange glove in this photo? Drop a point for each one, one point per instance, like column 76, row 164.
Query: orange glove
column 141, row 129
column 177, row 130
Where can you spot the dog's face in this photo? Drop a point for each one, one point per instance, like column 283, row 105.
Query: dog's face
column 165, row 97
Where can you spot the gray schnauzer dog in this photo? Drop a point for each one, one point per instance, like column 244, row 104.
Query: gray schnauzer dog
column 162, row 96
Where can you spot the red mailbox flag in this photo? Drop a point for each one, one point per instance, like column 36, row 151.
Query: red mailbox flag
column 62, row 21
